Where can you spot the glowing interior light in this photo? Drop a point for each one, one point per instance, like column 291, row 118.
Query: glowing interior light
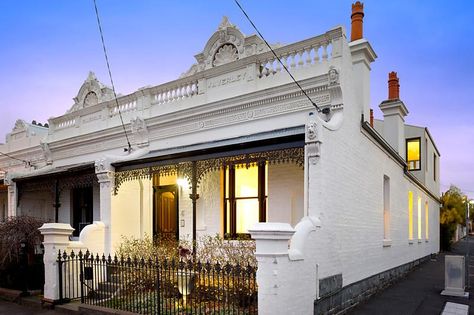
column 182, row 182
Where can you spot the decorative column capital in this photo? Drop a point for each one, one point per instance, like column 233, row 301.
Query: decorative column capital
column 8, row 180
column 313, row 139
column 104, row 172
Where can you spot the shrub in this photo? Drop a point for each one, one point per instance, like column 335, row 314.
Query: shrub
column 222, row 272
column 16, row 232
column 209, row 248
column 13, row 232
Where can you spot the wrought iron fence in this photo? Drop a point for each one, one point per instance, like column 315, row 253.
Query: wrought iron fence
column 160, row 286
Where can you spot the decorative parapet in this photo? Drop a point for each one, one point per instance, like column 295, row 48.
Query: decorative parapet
column 218, row 66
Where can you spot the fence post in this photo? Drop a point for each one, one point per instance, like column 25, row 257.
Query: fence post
column 272, row 257
column 56, row 238
column 286, row 277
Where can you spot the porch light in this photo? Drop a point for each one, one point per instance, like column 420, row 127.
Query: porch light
column 181, row 182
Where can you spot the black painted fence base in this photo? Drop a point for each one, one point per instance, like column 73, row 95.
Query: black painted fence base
column 340, row 300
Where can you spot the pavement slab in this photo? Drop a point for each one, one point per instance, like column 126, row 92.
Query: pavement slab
column 419, row 292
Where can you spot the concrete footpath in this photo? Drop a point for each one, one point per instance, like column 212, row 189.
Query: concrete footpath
column 419, row 292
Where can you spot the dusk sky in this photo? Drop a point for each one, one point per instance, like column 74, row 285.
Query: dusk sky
column 48, row 47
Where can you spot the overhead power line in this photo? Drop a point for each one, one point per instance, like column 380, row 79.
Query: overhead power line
column 14, row 158
column 110, row 75
column 324, row 111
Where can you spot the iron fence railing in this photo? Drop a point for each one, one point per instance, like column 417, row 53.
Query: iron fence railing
column 159, row 286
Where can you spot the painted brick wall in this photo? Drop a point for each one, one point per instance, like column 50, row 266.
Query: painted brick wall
column 285, row 193
column 347, row 194
column 209, row 214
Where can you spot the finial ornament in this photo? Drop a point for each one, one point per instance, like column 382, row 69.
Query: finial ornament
column 224, row 23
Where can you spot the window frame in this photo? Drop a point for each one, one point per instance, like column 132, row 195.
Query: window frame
column 419, row 150
column 231, row 200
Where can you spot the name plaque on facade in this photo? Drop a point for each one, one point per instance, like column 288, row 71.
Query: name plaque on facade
column 228, row 79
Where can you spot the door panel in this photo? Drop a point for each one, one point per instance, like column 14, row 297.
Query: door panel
column 165, row 212
column 81, row 208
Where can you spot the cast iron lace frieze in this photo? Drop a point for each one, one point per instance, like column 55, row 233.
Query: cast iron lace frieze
column 184, row 169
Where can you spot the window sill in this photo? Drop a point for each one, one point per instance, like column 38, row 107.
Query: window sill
column 387, row 243
column 419, row 241
column 410, row 242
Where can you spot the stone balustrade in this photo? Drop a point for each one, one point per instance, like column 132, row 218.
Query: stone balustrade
column 172, row 92
column 66, row 122
column 310, row 52
column 123, row 107
column 299, row 55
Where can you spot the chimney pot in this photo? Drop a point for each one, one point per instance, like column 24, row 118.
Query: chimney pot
column 372, row 118
column 357, row 18
column 393, row 86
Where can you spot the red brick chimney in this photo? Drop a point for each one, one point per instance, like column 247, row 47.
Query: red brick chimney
column 393, row 86
column 371, row 118
column 357, row 18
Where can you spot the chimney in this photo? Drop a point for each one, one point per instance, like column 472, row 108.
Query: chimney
column 394, row 112
column 393, row 86
column 362, row 56
column 371, row 118
column 357, row 17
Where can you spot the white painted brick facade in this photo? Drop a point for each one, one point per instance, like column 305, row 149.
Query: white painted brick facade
column 344, row 188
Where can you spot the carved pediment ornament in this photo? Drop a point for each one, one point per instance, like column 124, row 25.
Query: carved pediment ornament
column 19, row 125
column 139, row 132
column 333, row 75
column 91, row 93
column 225, row 54
column 46, row 153
column 225, row 23
column 91, row 99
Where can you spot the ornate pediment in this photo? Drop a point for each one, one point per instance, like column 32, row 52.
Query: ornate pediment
column 92, row 92
column 226, row 45
column 19, row 125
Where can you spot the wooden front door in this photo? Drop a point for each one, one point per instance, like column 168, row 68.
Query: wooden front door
column 165, row 212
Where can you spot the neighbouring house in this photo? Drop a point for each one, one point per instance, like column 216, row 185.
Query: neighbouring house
column 234, row 142
column 3, row 196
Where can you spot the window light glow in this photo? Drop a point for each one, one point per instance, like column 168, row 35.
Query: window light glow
column 413, row 154
column 419, row 218
column 182, row 182
column 426, row 220
column 386, row 207
column 410, row 215
column 243, row 198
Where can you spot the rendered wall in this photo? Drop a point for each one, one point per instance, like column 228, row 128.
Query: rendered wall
column 131, row 211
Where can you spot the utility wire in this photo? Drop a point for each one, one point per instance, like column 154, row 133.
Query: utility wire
column 274, row 54
column 14, row 158
column 110, row 75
